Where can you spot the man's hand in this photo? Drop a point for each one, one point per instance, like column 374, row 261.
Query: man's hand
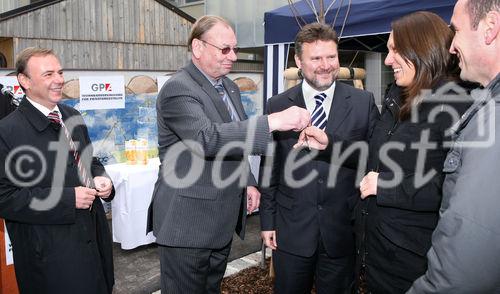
column 312, row 137
column 368, row 185
column 269, row 238
column 104, row 186
column 293, row 118
column 84, row 197
column 253, row 199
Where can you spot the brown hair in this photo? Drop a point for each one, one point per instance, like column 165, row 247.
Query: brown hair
column 203, row 25
column 24, row 56
column 422, row 38
column 313, row 32
column 479, row 8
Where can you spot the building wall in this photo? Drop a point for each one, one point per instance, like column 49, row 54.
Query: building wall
column 6, row 47
column 247, row 17
column 131, row 21
column 195, row 10
column 373, row 80
column 111, row 55
column 248, row 66
column 105, row 34
column 6, row 5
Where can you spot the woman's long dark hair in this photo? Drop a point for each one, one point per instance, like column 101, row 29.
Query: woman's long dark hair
column 423, row 39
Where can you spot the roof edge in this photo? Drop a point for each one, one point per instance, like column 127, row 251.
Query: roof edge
column 37, row 5
column 176, row 10
column 27, row 8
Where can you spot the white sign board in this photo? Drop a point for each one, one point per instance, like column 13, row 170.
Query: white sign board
column 161, row 80
column 12, row 85
column 106, row 92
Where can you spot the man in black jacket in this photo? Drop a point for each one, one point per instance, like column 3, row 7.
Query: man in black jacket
column 309, row 225
column 51, row 188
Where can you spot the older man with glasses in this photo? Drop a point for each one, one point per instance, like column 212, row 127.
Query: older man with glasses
column 204, row 188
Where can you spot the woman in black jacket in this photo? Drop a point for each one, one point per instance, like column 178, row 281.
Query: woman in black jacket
column 401, row 194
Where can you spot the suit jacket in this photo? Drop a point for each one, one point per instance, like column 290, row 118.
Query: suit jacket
column 63, row 249
column 301, row 215
column 197, row 211
column 6, row 106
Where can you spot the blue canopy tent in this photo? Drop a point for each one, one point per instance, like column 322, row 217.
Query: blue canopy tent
column 366, row 21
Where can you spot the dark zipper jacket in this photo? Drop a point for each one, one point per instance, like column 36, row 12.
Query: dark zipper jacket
column 394, row 228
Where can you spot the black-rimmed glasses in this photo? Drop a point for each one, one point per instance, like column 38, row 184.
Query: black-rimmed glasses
column 224, row 50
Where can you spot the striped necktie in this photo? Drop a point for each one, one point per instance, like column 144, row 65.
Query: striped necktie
column 318, row 117
column 84, row 174
column 222, row 93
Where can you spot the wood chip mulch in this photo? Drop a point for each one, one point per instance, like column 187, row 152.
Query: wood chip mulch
column 253, row 280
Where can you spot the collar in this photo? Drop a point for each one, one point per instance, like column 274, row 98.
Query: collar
column 212, row 81
column 480, row 97
column 309, row 92
column 44, row 110
column 494, row 86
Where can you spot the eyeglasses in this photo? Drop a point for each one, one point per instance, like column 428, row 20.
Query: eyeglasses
column 224, row 50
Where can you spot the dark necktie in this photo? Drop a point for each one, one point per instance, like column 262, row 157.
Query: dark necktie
column 220, row 90
column 84, row 174
column 318, row 117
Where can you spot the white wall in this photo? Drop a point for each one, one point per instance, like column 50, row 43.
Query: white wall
column 373, row 80
column 247, row 17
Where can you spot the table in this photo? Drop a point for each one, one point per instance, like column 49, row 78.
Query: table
column 134, row 186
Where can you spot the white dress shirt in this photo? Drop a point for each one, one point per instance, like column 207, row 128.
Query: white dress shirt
column 309, row 93
column 44, row 109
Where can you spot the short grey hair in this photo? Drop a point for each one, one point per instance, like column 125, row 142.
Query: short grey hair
column 479, row 8
column 203, row 25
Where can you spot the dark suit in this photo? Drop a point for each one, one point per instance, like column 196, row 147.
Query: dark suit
column 63, row 249
column 315, row 220
column 199, row 215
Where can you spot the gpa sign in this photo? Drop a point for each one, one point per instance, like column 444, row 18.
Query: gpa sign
column 12, row 85
column 106, row 92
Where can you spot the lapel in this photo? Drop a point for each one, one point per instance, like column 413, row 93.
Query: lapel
column 340, row 109
column 33, row 115
column 296, row 96
column 209, row 89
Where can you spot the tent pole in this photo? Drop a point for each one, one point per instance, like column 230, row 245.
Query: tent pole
column 321, row 12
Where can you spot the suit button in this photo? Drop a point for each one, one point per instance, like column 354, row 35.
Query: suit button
column 320, row 181
column 320, row 207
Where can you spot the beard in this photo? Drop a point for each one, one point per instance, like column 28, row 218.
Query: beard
column 320, row 84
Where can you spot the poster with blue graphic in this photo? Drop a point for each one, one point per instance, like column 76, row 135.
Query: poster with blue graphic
column 110, row 128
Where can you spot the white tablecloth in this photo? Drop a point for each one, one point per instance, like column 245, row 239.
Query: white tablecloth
column 134, row 186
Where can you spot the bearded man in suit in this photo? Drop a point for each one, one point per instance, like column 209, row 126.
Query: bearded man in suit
column 307, row 220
